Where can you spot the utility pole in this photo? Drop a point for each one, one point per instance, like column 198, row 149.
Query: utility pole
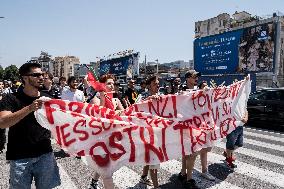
column 157, row 65
column 1, row 17
column 145, row 61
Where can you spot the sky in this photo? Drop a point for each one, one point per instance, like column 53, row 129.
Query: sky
column 159, row 29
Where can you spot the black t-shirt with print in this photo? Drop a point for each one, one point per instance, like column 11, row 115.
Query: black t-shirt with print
column 132, row 95
column 26, row 139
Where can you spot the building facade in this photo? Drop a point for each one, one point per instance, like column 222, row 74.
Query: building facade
column 64, row 66
column 248, row 26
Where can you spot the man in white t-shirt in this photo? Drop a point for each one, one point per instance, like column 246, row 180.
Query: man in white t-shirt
column 71, row 92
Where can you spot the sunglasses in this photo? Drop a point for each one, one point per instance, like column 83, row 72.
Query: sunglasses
column 35, row 74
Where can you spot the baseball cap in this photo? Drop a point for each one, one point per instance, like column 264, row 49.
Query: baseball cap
column 191, row 73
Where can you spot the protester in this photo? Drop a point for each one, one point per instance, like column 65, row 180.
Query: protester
column 131, row 93
column 204, row 151
column 152, row 93
column 185, row 176
column 72, row 93
column 49, row 87
column 108, row 80
column 29, row 147
column 7, row 87
column 176, row 87
column 62, row 84
column 143, row 87
column 234, row 141
column 2, row 131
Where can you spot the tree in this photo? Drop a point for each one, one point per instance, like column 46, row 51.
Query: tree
column 1, row 72
column 11, row 73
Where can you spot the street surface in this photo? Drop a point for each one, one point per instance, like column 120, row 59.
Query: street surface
column 260, row 166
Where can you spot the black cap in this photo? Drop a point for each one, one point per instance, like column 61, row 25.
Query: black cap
column 191, row 73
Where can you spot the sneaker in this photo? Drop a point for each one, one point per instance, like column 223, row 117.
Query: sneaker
column 208, row 176
column 94, row 184
column 225, row 155
column 191, row 184
column 146, row 181
column 182, row 177
column 230, row 163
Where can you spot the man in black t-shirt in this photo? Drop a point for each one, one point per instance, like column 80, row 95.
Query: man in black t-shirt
column 29, row 147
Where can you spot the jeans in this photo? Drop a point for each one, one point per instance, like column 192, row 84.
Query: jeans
column 43, row 169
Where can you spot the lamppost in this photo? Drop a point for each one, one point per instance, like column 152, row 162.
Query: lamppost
column 2, row 17
column 157, row 66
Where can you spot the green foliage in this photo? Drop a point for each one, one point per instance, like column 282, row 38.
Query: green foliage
column 1, row 72
column 11, row 73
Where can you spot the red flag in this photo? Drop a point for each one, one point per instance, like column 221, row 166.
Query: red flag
column 100, row 87
column 95, row 84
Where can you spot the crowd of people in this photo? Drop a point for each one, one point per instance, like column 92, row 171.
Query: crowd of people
column 29, row 149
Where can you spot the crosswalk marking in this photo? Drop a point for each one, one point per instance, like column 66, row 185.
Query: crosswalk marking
column 265, row 145
column 256, row 154
column 66, row 181
column 252, row 171
column 125, row 178
column 278, row 139
column 174, row 166
column 128, row 177
column 265, row 131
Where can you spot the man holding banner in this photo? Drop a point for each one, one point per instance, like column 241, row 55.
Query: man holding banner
column 152, row 93
column 29, row 147
column 185, row 176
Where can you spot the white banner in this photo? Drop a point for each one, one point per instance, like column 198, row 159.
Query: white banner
column 149, row 132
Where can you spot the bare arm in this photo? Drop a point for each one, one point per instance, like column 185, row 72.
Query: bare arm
column 9, row 119
column 245, row 118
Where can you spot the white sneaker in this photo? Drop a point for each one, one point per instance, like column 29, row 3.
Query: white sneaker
column 146, row 181
column 208, row 176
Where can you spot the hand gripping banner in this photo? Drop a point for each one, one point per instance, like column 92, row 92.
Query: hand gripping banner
column 149, row 132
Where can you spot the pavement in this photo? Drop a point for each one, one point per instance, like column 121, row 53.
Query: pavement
column 260, row 165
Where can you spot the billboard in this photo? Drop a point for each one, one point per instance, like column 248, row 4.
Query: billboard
column 126, row 65
column 257, row 47
column 217, row 54
column 245, row 50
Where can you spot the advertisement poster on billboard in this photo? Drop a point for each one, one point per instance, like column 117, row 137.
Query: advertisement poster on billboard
column 120, row 66
column 240, row 51
column 256, row 48
column 217, row 54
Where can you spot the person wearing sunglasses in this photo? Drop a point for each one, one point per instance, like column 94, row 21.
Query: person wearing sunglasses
column 185, row 176
column 29, row 147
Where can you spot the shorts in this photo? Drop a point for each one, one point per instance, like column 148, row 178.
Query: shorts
column 154, row 166
column 43, row 169
column 235, row 138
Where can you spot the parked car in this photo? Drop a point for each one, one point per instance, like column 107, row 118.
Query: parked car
column 266, row 107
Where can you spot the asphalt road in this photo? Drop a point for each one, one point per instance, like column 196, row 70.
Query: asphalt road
column 260, row 166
